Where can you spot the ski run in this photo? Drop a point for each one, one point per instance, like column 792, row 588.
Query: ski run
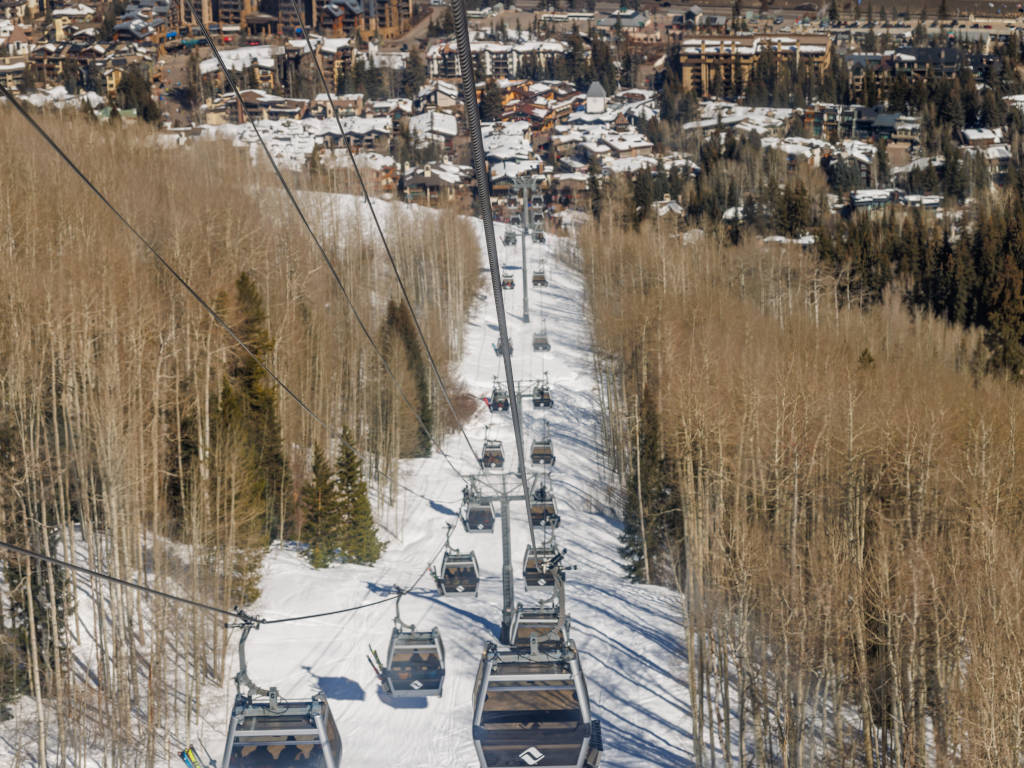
column 630, row 637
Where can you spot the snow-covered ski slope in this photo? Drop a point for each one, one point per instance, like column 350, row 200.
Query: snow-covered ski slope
column 629, row 636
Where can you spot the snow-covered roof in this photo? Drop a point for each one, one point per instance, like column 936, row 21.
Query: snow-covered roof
column 335, row 44
column 972, row 135
column 998, row 152
column 866, row 196
column 79, row 11
column 433, row 124
column 511, row 169
column 629, row 164
column 627, row 141
column 920, row 164
column 439, row 86
column 240, row 59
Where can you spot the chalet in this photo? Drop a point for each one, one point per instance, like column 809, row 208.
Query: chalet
column 629, row 144
column 112, row 79
column 380, row 171
column 12, row 74
column 980, row 137
column 257, row 104
column 438, row 128
column 345, row 105
column 49, row 61
column 393, row 110
column 570, row 189
column 262, row 61
column 365, row 134
column 438, row 94
column 922, row 62
column 17, row 42
column 436, row 183
column 872, row 199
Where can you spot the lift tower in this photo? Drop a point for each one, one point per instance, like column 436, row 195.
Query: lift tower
column 525, row 185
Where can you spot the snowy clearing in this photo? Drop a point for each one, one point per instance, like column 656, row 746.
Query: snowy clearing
column 629, row 636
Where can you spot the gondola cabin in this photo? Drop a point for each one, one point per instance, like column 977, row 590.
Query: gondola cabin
column 507, row 281
column 498, row 347
column 542, row 396
column 539, row 279
column 540, row 624
column 540, row 342
column 543, row 512
column 492, row 454
column 415, row 664
column 535, row 572
column 534, row 710
column 459, row 574
column 499, row 399
column 478, row 517
column 542, row 452
column 275, row 732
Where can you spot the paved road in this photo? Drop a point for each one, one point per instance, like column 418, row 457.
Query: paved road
column 172, row 72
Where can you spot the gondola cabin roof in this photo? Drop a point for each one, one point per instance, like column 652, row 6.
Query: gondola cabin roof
column 272, row 732
column 540, row 623
column 544, row 513
column 415, row 665
column 534, row 707
column 478, row 517
column 541, row 452
column 460, row 574
column 542, row 396
column 534, row 576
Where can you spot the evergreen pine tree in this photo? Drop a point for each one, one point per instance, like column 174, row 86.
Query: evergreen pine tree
column 248, row 407
column 414, row 75
column 1005, row 335
column 643, row 195
column 661, row 503
column 491, row 106
column 594, row 187
column 359, row 540
column 398, row 323
column 323, row 522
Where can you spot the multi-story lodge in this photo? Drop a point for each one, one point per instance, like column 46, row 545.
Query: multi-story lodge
column 729, row 60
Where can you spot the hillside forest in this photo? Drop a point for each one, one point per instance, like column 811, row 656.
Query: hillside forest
column 829, row 475
column 138, row 439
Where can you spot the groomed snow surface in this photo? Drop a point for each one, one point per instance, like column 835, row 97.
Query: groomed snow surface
column 629, row 636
